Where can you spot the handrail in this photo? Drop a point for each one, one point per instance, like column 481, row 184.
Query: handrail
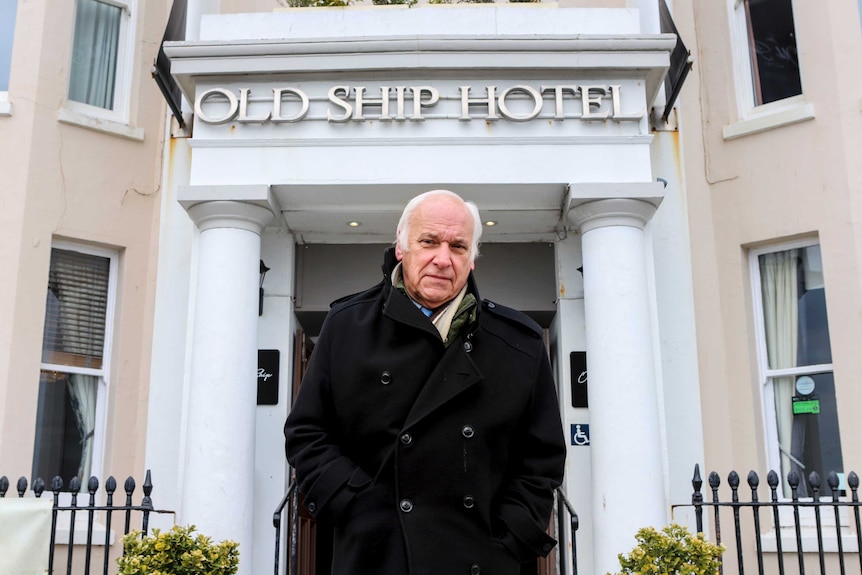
column 276, row 521
column 563, row 506
column 573, row 525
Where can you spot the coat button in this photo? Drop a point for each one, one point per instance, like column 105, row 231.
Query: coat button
column 385, row 378
column 406, row 439
column 492, row 305
column 311, row 506
column 547, row 547
column 468, row 431
column 475, row 570
column 406, row 505
column 468, row 347
column 469, row 502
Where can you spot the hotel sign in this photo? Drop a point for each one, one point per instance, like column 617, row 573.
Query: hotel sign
column 345, row 103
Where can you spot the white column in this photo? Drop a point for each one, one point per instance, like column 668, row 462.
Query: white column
column 625, row 441
column 218, row 482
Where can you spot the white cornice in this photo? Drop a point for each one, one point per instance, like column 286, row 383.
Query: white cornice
column 642, row 56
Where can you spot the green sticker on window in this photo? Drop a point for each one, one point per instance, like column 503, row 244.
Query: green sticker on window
column 809, row 406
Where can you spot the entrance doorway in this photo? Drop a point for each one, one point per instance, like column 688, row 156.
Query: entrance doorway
column 519, row 275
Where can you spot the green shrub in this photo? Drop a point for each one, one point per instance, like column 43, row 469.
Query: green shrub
column 673, row 551
column 177, row 552
column 313, row 3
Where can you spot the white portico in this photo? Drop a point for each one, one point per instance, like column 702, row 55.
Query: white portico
column 305, row 121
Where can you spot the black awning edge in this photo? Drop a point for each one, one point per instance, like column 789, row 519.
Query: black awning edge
column 680, row 61
column 161, row 71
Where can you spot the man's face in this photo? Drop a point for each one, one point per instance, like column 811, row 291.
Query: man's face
column 437, row 261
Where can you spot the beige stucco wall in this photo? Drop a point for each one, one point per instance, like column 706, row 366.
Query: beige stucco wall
column 801, row 180
column 63, row 181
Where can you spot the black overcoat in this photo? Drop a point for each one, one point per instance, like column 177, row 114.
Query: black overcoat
column 428, row 459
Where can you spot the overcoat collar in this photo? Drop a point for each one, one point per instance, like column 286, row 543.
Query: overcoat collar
column 455, row 372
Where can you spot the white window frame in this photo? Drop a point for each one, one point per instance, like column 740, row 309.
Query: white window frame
column 104, row 373
column 752, row 118
column 94, row 117
column 5, row 104
column 765, row 374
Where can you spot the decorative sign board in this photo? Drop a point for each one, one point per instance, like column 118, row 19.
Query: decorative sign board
column 267, row 376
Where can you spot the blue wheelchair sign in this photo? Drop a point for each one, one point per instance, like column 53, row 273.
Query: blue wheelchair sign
column 580, row 434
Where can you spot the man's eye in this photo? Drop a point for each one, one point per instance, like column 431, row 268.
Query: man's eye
column 426, row 242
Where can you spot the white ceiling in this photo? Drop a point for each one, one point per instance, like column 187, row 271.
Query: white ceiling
column 320, row 214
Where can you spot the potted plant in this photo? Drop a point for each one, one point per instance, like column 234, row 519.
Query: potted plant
column 673, row 551
column 178, row 551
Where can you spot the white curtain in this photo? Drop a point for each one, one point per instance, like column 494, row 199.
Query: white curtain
column 94, row 54
column 780, row 315
column 83, row 390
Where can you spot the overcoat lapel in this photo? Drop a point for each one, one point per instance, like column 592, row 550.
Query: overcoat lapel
column 398, row 307
column 454, row 374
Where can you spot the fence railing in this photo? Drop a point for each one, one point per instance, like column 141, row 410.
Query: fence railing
column 290, row 501
column 90, row 511
column 812, row 532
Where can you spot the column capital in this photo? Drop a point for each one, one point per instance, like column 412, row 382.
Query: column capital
column 612, row 212
column 230, row 214
column 596, row 205
column 248, row 207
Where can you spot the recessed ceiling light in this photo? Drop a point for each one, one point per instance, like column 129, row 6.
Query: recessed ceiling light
column 354, row 224
column 490, row 223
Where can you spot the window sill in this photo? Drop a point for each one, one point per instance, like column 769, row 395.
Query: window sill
column 127, row 131
column 784, row 116
column 5, row 104
column 809, row 542
column 81, row 534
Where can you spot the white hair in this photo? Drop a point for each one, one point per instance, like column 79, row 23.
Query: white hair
column 402, row 232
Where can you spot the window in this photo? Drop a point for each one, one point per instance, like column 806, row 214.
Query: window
column 7, row 33
column 770, row 42
column 75, row 356
column 101, row 56
column 796, row 362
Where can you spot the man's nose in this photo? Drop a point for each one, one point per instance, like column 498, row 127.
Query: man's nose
column 442, row 257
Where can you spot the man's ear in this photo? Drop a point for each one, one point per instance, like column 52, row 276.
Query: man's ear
column 398, row 253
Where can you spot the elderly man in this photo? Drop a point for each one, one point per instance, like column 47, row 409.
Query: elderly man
column 427, row 428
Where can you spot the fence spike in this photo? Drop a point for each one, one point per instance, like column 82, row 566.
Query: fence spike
column 93, row 485
column 147, row 502
column 793, row 479
column 814, row 480
column 22, row 486
column 753, row 480
column 56, row 484
column 832, row 482
column 111, row 485
column 4, row 486
column 772, row 479
column 39, row 487
column 714, row 480
column 696, row 481
column 129, row 485
column 853, row 480
column 733, row 480
column 74, row 486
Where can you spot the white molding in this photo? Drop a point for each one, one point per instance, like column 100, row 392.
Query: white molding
column 5, row 104
column 648, row 56
column 783, row 116
column 335, row 141
column 69, row 116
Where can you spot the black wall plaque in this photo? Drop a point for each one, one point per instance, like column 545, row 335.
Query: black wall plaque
column 267, row 376
column 578, row 362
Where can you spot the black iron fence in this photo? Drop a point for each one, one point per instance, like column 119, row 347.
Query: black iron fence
column 91, row 511
column 566, row 522
column 819, row 533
